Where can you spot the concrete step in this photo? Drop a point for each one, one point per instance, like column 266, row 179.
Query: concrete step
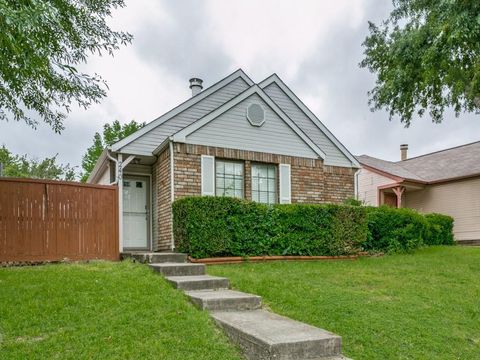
column 179, row 269
column 155, row 257
column 224, row 300
column 263, row 335
column 199, row 282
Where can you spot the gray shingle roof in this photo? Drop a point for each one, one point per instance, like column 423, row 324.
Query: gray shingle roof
column 460, row 161
column 390, row 167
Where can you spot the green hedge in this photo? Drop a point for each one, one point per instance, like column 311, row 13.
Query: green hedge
column 395, row 230
column 400, row 230
column 222, row 226
column 440, row 230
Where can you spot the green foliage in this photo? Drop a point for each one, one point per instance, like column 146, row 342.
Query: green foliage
column 42, row 44
column 111, row 134
column 222, row 226
column 402, row 230
column 441, row 230
column 426, row 57
column 23, row 167
column 102, row 310
column 353, row 202
column 395, row 230
column 383, row 307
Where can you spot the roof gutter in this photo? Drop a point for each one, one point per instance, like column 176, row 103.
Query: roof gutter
column 172, row 187
column 115, row 182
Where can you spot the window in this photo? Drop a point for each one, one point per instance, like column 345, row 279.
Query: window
column 264, row 183
column 229, row 178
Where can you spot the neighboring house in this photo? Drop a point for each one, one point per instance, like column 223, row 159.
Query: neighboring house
column 235, row 138
column 446, row 182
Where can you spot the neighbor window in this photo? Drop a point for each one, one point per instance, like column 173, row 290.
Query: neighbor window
column 264, row 183
column 229, row 178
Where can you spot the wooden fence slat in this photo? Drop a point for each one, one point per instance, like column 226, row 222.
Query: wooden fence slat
column 52, row 220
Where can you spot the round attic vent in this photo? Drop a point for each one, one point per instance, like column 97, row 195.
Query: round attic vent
column 256, row 114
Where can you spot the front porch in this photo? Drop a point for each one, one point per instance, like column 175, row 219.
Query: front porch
column 393, row 195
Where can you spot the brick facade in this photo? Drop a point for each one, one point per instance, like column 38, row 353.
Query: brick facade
column 162, row 212
column 311, row 181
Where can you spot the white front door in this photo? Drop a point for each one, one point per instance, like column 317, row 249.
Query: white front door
column 135, row 212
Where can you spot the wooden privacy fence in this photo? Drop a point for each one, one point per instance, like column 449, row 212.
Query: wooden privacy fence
column 44, row 220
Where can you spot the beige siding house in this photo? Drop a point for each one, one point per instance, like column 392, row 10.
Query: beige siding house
column 446, row 182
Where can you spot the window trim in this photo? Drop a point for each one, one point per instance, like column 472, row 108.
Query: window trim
column 276, row 178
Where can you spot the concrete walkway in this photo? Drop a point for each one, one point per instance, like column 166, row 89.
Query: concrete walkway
column 262, row 335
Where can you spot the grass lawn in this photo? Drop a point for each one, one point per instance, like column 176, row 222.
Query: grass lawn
column 424, row 305
column 101, row 310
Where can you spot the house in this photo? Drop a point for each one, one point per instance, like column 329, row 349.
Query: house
column 446, row 182
column 255, row 141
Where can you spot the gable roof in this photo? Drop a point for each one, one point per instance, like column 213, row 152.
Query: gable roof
column 274, row 78
column 255, row 89
column 449, row 164
column 183, row 106
column 148, row 139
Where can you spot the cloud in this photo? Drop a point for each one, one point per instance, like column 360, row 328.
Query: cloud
column 276, row 36
column 315, row 46
column 335, row 88
column 182, row 43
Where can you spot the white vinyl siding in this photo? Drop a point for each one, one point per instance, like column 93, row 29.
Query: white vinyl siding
column 334, row 155
column 147, row 143
column 367, row 186
column 285, row 184
column 229, row 178
column 232, row 130
column 264, row 183
column 208, row 175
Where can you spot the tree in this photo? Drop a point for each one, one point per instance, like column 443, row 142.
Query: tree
column 111, row 134
column 22, row 166
column 42, row 43
column 426, row 57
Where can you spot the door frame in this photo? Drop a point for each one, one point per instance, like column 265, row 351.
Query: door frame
column 148, row 177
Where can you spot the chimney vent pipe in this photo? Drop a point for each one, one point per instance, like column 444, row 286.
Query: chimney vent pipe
column 196, row 85
column 403, row 151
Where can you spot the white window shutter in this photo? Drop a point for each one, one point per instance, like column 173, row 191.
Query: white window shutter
column 285, row 184
column 208, row 175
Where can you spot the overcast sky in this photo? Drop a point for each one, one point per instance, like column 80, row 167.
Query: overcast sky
column 314, row 46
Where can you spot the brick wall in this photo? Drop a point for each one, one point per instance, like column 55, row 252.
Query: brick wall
column 187, row 174
column 338, row 184
column 311, row 181
column 163, row 211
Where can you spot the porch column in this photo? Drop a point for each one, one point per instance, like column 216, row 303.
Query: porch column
column 398, row 190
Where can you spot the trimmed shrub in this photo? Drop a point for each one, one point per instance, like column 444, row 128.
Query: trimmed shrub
column 221, row 226
column 352, row 202
column 399, row 230
column 394, row 230
column 440, row 230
